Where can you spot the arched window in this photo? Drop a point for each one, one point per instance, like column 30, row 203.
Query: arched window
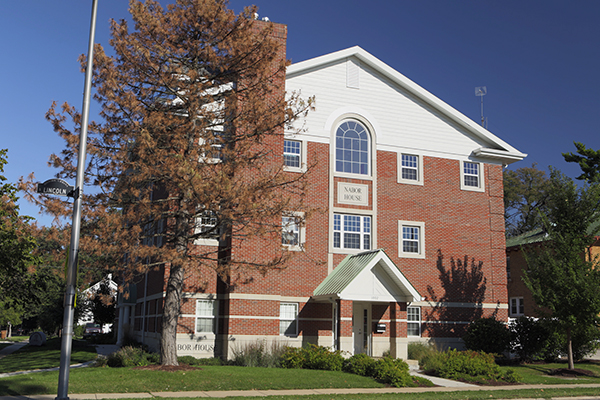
column 352, row 148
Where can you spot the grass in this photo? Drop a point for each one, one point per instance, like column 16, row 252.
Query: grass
column 128, row 380
column 17, row 338
column 538, row 374
column 47, row 356
column 216, row 378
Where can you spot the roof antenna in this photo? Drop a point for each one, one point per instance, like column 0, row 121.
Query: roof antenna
column 482, row 91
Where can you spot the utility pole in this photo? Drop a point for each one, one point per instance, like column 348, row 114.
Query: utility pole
column 67, row 331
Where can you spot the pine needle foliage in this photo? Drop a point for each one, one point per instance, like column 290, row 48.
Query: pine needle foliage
column 193, row 112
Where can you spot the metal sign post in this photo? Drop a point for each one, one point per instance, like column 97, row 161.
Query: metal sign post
column 67, row 332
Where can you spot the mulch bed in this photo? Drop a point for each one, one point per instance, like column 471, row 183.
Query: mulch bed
column 571, row 373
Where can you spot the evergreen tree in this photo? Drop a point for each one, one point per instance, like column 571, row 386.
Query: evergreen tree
column 588, row 160
column 189, row 147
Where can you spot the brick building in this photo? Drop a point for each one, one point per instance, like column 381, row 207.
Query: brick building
column 520, row 299
column 407, row 243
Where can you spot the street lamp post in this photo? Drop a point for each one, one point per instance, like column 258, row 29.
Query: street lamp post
column 67, row 331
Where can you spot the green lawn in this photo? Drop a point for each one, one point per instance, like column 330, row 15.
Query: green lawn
column 209, row 378
column 129, row 380
column 17, row 338
column 536, row 374
column 47, row 356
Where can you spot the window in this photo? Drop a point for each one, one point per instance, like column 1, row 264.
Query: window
column 413, row 326
column 292, row 234
column 410, row 167
column 206, row 228
column 205, row 316
column 411, row 243
column 291, row 231
column 517, row 307
column 351, row 232
column 288, row 319
column 212, row 146
column 292, row 151
column 352, row 148
column 471, row 176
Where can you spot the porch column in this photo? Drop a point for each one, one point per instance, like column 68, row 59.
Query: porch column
column 398, row 334
column 346, row 338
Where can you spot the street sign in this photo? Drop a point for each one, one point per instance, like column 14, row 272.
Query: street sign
column 57, row 187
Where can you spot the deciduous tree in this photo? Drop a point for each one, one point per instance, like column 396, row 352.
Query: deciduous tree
column 524, row 198
column 563, row 275
column 16, row 246
column 189, row 146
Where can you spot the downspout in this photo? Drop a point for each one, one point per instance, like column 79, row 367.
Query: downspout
column 144, row 305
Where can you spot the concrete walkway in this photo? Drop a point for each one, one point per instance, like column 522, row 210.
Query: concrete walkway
column 12, row 348
column 301, row 392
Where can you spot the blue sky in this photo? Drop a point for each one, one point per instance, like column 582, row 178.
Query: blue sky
column 539, row 59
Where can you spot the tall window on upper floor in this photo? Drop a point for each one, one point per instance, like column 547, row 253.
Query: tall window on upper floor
column 352, row 148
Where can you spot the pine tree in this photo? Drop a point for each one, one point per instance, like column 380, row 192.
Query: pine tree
column 189, row 147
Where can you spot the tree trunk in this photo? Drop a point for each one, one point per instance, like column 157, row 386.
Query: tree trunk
column 570, row 349
column 170, row 316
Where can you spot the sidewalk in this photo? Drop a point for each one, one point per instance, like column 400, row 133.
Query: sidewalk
column 301, row 392
column 12, row 348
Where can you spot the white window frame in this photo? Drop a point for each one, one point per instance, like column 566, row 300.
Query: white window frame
column 343, row 231
column 286, row 320
column 205, row 316
column 418, row 169
column 411, row 320
column 518, row 305
column 198, row 229
column 420, row 240
column 300, row 155
column 480, row 176
column 297, row 227
column 217, row 130
column 369, row 163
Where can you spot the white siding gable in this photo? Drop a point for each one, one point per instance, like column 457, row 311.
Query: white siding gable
column 404, row 118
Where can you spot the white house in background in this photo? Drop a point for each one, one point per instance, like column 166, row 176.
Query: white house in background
column 87, row 316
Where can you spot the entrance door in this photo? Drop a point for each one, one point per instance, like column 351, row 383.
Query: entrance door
column 361, row 328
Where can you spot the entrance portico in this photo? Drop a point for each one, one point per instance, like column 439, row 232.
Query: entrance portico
column 369, row 296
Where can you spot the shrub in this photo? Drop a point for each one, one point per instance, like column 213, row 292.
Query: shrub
column 470, row 366
column 292, row 357
column 392, row 371
column 319, row 357
column 312, row 357
column 193, row 361
column 418, row 351
column 257, row 355
column 530, row 338
column 359, row 364
column 131, row 357
column 78, row 331
column 458, row 364
column 480, row 333
column 544, row 339
column 432, row 362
